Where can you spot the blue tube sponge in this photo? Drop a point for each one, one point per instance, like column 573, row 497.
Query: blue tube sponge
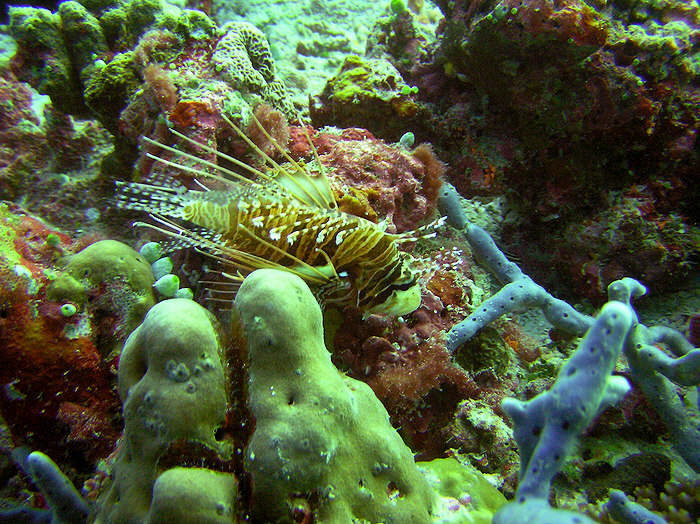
column 519, row 292
column 547, row 426
column 67, row 506
column 624, row 510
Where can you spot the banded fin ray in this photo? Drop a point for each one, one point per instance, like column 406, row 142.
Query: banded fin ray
column 161, row 200
column 295, row 183
column 228, row 256
column 299, row 183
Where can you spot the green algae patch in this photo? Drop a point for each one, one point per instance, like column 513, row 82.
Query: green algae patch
column 467, row 496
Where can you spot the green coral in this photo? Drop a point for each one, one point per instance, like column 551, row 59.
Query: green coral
column 242, row 58
column 106, row 263
column 194, row 24
column 371, row 93
column 193, row 495
column 366, row 78
column 321, row 447
column 398, row 7
column 85, row 59
column 486, row 350
column 320, row 436
column 84, row 32
column 142, row 14
column 46, row 62
column 172, row 386
column 8, row 223
column 113, row 23
column 109, row 88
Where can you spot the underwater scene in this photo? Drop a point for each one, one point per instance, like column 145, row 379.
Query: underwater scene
column 350, row 262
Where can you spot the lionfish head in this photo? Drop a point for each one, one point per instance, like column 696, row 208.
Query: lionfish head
column 404, row 294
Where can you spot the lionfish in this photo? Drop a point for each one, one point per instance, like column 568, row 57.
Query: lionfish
column 285, row 217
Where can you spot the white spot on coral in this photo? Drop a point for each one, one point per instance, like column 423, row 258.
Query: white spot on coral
column 257, row 222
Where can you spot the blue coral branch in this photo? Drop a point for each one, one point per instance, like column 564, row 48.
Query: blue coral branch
column 547, row 426
column 66, row 505
column 624, row 510
column 519, row 292
column 655, row 373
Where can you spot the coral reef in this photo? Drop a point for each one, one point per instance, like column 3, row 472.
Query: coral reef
column 109, row 283
column 570, row 125
column 172, row 386
column 48, row 160
column 311, row 454
column 137, row 63
column 57, row 393
column 583, row 115
column 676, row 502
column 309, row 41
column 539, row 421
column 24, row 147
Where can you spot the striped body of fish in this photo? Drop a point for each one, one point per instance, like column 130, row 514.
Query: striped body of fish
column 287, row 219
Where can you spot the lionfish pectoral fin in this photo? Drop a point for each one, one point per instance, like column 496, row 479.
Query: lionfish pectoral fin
column 310, row 273
column 426, row 231
column 137, row 196
column 180, row 237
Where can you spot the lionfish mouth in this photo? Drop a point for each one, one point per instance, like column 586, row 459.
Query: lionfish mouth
column 284, row 217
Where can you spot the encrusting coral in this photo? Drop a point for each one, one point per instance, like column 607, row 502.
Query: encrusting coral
column 171, row 382
column 321, row 448
column 321, row 438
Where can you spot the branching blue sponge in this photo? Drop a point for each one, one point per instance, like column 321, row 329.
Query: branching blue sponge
column 321, row 438
column 66, row 506
column 547, row 426
column 519, row 292
column 651, row 368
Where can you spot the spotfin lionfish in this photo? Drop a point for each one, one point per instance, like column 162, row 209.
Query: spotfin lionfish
column 287, row 218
